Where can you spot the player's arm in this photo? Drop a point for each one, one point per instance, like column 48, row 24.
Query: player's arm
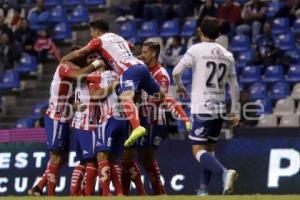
column 186, row 62
column 72, row 71
column 102, row 92
column 92, row 46
column 235, row 96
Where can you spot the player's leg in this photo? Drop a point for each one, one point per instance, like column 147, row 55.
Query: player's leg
column 131, row 172
column 102, row 149
column 76, row 179
column 147, row 147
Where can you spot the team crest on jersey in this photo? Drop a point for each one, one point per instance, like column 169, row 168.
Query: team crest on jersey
column 217, row 51
column 128, row 83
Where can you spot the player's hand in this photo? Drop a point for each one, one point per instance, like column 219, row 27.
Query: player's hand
column 181, row 91
column 234, row 119
column 99, row 63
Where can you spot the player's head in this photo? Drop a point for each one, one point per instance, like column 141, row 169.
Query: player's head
column 150, row 52
column 91, row 57
column 98, row 27
column 210, row 28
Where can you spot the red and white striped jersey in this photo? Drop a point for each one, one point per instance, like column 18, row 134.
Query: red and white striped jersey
column 88, row 111
column 110, row 106
column 155, row 113
column 115, row 51
column 61, row 93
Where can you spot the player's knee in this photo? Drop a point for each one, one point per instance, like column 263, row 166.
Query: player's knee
column 102, row 156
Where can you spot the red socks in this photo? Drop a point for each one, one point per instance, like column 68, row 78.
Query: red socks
column 104, row 176
column 116, row 178
column 76, row 179
column 132, row 172
column 176, row 108
column 52, row 179
column 131, row 113
column 90, row 179
column 43, row 181
column 154, row 176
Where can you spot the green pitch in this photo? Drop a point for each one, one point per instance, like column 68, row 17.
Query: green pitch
column 234, row 197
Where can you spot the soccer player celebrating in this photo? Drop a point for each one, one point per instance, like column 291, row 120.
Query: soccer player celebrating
column 153, row 117
column 84, row 126
column 134, row 74
column 56, row 121
column 213, row 66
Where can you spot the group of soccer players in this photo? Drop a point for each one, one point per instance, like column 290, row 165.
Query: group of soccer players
column 120, row 101
column 109, row 83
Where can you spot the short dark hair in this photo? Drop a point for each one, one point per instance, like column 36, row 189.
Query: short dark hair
column 211, row 27
column 100, row 24
column 154, row 46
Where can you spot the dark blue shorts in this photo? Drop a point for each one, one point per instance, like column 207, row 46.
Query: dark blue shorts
column 155, row 135
column 205, row 128
column 85, row 143
column 58, row 135
column 112, row 135
column 138, row 77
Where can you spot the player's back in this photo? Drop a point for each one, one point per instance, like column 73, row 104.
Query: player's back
column 61, row 91
column 213, row 66
column 116, row 52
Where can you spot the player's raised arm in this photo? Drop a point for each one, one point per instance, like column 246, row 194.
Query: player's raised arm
column 92, row 46
column 235, row 96
column 70, row 70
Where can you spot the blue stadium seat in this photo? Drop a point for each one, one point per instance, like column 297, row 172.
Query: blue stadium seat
column 285, row 41
column 294, row 54
column 240, row 43
column 28, row 63
column 95, row 2
column 273, row 8
column 62, row 31
column 128, row 29
column 258, row 91
column 73, row 2
column 58, row 14
column 244, row 57
column 53, row 2
column 37, row 110
column 149, row 29
column 170, row 28
column 24, row 123
column 296, row 25
column 189, row 28
column 280, row 26
column 135, row 39
column 80, row 14
column 293, row 74
column 273, row 73
column 11, row 80
column 250, row 74
column 279, row 90
column 266, row 106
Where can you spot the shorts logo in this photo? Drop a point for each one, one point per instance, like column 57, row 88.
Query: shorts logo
column 128, row 83
column 156, row 140
column 109, row 140
column 199, row 131
column 98, row 144
column 85, row 152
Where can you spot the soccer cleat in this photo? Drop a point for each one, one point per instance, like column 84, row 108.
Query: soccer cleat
column 135, row 135
column 201, row 193
column 35, row 191
column 188, row 126
column 229, row 177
